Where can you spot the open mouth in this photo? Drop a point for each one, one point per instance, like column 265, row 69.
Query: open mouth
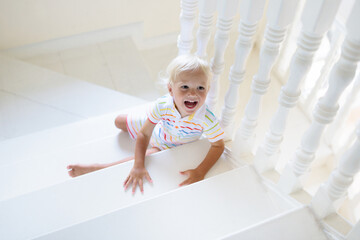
column 190, row 104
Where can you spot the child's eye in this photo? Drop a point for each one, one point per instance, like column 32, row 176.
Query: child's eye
column 185, row 87
column 201, row 88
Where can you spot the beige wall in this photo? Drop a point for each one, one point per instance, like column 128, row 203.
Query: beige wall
column 24, row 22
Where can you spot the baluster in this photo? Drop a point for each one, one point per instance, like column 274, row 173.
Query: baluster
column 317, row 18
column 332, row 134
column 280, row 14
column 355, row 232
column 340, row 77
column 250, row 13
column 227, row 11
column 207, row 10
column 330, row 60
column 187, row 22
column 338, row 182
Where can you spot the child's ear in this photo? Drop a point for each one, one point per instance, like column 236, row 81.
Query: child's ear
column 170, row 89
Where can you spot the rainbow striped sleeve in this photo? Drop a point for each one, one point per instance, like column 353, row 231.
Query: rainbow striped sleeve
column 154, row 112
column 212, row 130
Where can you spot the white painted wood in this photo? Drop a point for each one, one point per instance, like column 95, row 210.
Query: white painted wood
column 207, row 10
column 250, row 14
column 32, row 174
column 298, row 224
column 59, row 91
column 279, row 14
column 317, row 18
column 332, row 56
column 226, row 13
column 355, row 232
column 340, row 77
column 187, row 22
column 332, row 135
column 98, row 193
column 59, row 139
column 338, row 182
column 206, row 210
column 21, row 116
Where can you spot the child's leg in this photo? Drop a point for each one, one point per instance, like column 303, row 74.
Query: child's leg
column 80, row 169
column 120, row 122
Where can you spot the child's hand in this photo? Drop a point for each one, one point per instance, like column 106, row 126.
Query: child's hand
column 136, row 178
column 193, row 176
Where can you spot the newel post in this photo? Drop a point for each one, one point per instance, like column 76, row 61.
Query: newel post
column 207, row 10
column 326, row 108
column 251, row 12
column 227, row 11
column 317, row 18
column 338, row 182
column 280, row 14
column 187, row 23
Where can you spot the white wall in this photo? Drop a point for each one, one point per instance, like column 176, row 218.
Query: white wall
column 24, row 22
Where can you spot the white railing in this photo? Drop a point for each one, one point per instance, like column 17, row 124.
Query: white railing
column 279, row 14
column 226, row 13
column 317, row 17
column 334, row 189
column 308, row 43
column 326, row 108
column 251, row 12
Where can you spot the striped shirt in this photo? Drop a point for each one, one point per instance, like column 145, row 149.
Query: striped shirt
column 172, row 130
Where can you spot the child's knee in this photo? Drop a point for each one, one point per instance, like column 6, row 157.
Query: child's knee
column 120, row 122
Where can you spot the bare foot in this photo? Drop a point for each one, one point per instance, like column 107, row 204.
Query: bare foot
column 76, row 170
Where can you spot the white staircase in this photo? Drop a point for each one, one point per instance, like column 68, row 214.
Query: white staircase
column 206, row 210
column 297, row 224
column 51, row 119
column 76, row 200
column 45, row 99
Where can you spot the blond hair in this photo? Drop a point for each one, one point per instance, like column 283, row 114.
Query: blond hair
column 186, row 63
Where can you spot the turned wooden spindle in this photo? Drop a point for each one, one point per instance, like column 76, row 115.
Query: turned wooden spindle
column 250, row 13
column 317, row 18
column 326, row 108
column 187, row 22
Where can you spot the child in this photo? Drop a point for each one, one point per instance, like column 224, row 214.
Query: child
column 176, row 118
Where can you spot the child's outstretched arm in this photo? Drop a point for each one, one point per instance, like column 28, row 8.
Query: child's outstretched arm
column 138, row 172
column 197, row 174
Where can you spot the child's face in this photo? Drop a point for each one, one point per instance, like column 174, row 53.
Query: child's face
column 189, row 91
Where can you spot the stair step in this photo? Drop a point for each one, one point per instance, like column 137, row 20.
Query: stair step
column 20, row 116
column 205, row 210
column 116, row 64
column 53, row 91
column 28, row 147
column 298, row 224
column 29, row 175
column 98, row 193
column 39, row 160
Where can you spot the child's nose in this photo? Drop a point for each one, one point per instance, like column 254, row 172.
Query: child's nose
column 192, row 92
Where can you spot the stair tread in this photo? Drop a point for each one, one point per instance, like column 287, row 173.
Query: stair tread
column 297, row 224
column 57, row 139
column 39, row 160
column 21, row 116
column 31, row 174
column 51, row 90
column 77, row 197
column 204, row 210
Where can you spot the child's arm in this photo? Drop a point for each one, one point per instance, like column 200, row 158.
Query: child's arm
column 197, row 174
column 138, row 172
